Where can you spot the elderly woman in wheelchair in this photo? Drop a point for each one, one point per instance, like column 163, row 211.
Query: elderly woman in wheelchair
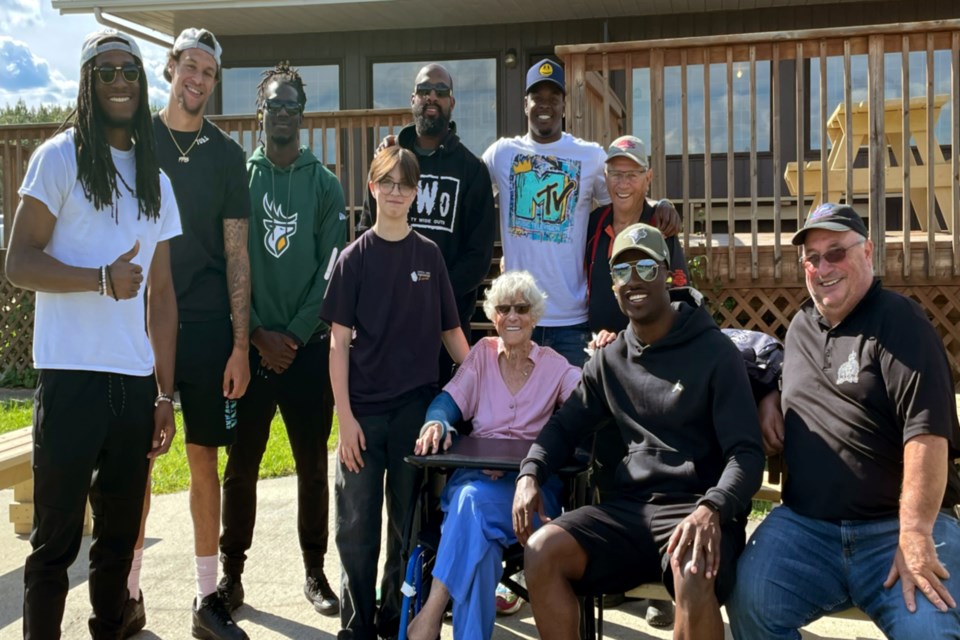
column 508, row 387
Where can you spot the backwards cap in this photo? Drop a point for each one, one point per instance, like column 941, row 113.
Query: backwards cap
column 108, row 40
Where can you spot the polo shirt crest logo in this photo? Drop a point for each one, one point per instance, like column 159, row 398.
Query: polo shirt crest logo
column 419, row 276
column 280, row 229
column 849, row 371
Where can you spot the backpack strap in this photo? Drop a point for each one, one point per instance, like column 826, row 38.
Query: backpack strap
column 601, row 223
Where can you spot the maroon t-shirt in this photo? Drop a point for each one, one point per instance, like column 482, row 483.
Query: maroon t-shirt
column 398, row 299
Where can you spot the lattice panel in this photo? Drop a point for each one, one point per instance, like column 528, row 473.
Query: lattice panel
column 769, row 310
column 16, row 333
column 766, row 310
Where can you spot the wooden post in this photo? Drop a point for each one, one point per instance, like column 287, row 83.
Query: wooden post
column 657, row 125
column 707, row 165
column 932, row 224
column 801, row 137
column 906, row 150
column 685, row 152
column 824, row 169
column 731, row 219
column 848, row 120
column 878, row 151
column 777, row 170
column 955, row 154
column 754, row 222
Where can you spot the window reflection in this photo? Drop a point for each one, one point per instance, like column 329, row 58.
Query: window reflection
column 695, row 109
column 474, row 87
column 321, row 84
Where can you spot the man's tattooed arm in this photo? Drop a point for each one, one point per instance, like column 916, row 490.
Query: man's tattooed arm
column 238, row 279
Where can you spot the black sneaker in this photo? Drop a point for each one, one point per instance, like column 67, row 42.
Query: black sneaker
column 212, row 621
column 231, row 591
column 660, row 614
column 320, row 595
column 134, row 617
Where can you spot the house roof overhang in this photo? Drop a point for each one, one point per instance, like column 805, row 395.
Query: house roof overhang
column 244, row 17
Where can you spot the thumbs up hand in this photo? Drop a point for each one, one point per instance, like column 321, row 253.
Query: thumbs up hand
column 125, row 277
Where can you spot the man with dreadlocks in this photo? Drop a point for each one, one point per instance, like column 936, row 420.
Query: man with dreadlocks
column 211, row 275
column 96, row 213
column 298, row 227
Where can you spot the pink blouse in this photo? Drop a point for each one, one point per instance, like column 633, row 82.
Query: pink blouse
column 482, row 395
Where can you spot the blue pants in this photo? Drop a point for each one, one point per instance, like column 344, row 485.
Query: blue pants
column 569, row 342
column 477, row 527
column 797, row 569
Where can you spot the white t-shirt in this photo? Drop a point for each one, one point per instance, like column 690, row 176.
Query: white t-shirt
column 547, row 192
column 84, row 330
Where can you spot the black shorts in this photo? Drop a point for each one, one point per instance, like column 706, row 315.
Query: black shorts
column 203, row 348
column 626, row 545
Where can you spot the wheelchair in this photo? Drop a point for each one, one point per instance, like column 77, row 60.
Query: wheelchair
column 425, row 516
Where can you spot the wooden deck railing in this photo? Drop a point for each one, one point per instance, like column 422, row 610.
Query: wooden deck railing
column 901, row 126
column 343, row 140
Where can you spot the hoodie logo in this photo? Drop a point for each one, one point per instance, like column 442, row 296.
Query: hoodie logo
column 437, row 203
column 280, row 229
column 849, row 371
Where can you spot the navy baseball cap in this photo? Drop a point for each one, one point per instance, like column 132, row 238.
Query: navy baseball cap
column 832, row 217
column 545, row 71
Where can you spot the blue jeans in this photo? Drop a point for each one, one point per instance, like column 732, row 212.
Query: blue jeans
column 569, row 341
column 797, row 569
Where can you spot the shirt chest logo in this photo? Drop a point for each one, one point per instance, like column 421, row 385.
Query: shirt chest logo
column 279, row 228
column 849, row 371
column 419, row 276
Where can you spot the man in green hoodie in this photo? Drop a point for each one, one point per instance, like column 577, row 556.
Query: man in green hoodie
column 297, row 228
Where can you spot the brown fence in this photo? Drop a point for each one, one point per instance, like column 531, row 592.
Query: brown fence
column 873, row 147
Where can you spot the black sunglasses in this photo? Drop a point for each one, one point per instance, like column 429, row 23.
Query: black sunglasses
column 292, row 107
column 108, row 75
column 521, row 309
column 811, row 262
column 424, row 88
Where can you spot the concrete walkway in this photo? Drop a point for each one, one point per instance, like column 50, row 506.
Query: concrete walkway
column 275, row 606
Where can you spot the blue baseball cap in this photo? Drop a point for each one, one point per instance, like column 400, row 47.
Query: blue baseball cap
column 545, row 71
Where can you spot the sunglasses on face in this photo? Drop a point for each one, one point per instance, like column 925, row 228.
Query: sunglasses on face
column 292, row 107
column 647, row 269
column 521, row 309
column 424, row 88
column 811, row 261
column 387, row 185
column 108, row 75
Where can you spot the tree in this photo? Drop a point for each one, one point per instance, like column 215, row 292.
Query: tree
column 20, row 113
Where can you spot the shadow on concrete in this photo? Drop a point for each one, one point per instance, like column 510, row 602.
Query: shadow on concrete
column 11, row 609
column 279, row 625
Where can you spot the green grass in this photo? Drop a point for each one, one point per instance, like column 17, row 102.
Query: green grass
column 171, row 473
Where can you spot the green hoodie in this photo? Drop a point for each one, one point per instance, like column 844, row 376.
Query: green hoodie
column 289, row 265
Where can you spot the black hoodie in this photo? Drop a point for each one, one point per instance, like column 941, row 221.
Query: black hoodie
column 684, row 408
column 454, row 208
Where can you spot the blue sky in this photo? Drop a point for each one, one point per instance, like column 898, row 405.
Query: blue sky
column 40, row 51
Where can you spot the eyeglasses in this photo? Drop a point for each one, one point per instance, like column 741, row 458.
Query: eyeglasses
column 626, row 176
column 521, row 309
column 292, row 107
column 107, row 75
column 424, row 88
column 811, row 262
column 647, row 270
column 387, row 185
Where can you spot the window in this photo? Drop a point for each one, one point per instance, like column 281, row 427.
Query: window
column 321, row 84
column 474, row 87
column 892, row 90
column 695, row 111
column 239, row 88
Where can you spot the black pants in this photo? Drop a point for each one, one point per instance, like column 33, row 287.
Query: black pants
column 360, row 497
column 91, row 435
column 305, row 399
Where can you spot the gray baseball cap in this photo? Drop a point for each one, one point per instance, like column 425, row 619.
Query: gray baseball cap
column 108, row 40
column 190, row 39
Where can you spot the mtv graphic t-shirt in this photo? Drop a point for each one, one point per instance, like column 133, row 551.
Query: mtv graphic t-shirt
column 546, row 193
